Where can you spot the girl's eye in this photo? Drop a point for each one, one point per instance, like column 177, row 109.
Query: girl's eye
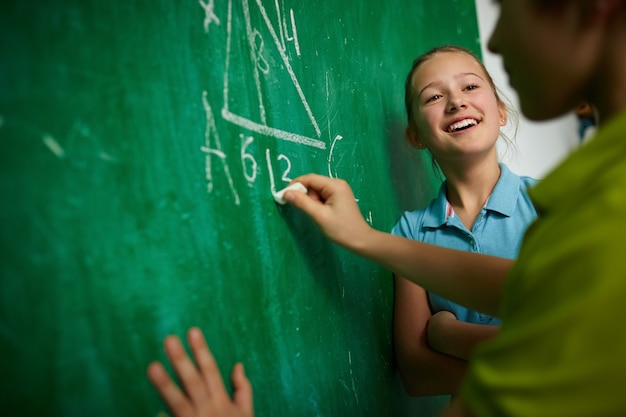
column 433, row 98
column 471, row 87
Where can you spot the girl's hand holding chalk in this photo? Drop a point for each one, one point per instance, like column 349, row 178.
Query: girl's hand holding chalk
column 331, row 205
column 296, row 186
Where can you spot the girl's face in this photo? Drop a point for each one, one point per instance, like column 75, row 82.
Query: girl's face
column 456, row 112
column 547, row 52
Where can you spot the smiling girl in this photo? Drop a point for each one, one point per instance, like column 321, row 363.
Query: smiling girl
column 454, row 111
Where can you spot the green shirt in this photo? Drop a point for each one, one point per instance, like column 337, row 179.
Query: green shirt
column 561, row 350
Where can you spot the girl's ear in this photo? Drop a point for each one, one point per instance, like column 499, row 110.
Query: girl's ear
column 413, row 139
column 502, row 114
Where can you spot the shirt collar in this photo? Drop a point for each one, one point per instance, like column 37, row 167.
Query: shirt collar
column 502, row 200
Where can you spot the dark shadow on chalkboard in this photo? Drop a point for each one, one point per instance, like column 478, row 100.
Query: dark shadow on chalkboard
column 412, row 174
column 414, row 183
column 316, row 249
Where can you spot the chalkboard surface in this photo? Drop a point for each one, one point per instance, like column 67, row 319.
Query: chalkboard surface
column 141, row 141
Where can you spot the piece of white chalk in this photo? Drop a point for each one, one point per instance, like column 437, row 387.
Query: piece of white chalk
column 296, row 186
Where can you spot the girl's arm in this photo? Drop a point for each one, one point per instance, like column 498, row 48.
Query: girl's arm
column 423, row 370
column 469, row 279
column 456, row 338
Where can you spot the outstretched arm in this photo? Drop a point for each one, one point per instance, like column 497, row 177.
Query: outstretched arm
column 204, row 393
column 469, row 279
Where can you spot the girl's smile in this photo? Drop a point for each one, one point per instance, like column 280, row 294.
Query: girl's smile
column 462, row 125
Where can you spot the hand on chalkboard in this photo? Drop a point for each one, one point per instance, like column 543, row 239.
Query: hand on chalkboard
column 204, row 392
column 331, row 204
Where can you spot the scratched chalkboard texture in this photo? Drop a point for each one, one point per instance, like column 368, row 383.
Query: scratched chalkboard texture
column 141, row 141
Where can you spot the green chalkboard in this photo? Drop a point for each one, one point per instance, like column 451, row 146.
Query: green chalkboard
column 140, row 144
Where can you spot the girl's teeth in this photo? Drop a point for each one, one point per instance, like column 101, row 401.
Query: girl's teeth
column 463, row 123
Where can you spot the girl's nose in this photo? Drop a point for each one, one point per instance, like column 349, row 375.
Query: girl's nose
column 455, row 103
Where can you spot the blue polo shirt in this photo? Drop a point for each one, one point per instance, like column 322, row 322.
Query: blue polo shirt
column 497, row 231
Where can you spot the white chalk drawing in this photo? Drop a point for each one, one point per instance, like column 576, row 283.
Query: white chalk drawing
column 284, row 177
column 268, row 159
column 214, row 150
column 54, row 146
column 248, row 159
column 257, row 48
column 294, row 37
column 330, row 156
column 209, row 14
column 287, row 170
column 266, row 41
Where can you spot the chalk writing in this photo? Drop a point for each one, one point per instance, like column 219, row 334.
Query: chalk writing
column 284, row 29
column 268, row 159
column 330, row 155
column 285, row 177
column 294, row 38
column 54, row 146
column 257, row 51
column 249, row 165
column 211, row 132
column 265, row 41
column 247, row 157
column 209, row 14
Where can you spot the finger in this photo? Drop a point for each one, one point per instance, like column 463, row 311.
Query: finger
column 175, row 399
column 242, row 390
column 309, row 204
column 326, row 187
column 206, row 362
column 314, row 182
column 312, row 202
column 311, row 192
column 186, row 370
